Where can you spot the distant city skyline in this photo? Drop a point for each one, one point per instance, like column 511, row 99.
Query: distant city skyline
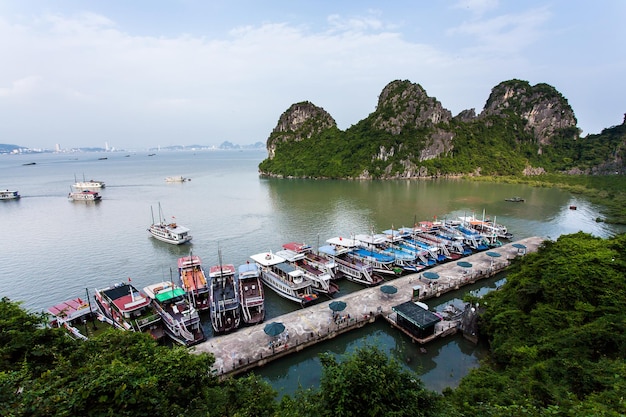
column 137, row 75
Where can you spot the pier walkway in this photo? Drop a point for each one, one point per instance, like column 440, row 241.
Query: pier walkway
column 250, row 347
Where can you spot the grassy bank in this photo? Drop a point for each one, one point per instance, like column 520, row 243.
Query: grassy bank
column 609, row 191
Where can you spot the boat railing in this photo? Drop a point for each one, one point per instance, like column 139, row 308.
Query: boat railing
column 148, row 320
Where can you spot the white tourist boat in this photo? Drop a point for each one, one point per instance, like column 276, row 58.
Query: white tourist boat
column 284, row 279
column 85, row 195
column 168, row 232
column 87, row 184
column 178, row 178
column 341, row 250
column 9, row 195
column 180, row 318
column 318, row 271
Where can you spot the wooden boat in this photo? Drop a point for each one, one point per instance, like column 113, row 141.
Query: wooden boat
column 251, row 295
column 180, row 319
column 284, row 279
column 78, row 316
column 9, row 195
column 128, row 309
column 85, row 195
column 224, row 296
column 314, row 267
column 194, row 281
column 172, row 232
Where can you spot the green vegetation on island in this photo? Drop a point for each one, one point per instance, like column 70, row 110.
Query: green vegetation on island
column 556, row 332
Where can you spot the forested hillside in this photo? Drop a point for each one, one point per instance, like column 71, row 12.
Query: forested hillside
column 522, row 129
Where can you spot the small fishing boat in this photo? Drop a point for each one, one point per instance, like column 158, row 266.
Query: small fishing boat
column 251, row 295
column 515, row 199
column 224, row 296
column 9, row 195
column 128, row 309
column 85, row 195
column 193, row 280
column 168, row 232
column 74, row 315
column 179, row 178
column 180, row 319
column 284, row 279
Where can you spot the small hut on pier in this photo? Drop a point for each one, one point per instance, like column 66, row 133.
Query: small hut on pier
column 415, row 319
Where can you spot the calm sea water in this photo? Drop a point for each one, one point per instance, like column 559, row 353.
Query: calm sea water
column 53, row 249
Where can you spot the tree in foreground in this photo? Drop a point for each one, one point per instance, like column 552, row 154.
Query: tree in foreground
column 365, row 383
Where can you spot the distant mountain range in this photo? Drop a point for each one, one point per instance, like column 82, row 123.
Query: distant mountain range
column 16, row 149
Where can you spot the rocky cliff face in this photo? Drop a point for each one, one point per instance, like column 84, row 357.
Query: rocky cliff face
column 300, row 121
column 404, row 108
column 403, row 104
column 541, row 105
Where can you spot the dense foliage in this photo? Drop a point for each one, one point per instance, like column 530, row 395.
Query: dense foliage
column 557, row 332
column 366, row 383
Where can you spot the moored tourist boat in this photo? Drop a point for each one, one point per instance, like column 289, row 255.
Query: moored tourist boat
column 284, row 279
column 180, row 319
column 128, row 309
column 84, row 195
column 194, row 281
column 224, row 296
column 251, row 295
column 172, row 232
column 486, row 226
column 371, row 252
column 74, row 316
column 340, row 250
column 317, row 271
column 9, row 195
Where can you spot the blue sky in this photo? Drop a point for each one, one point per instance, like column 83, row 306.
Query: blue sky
column 139, row 74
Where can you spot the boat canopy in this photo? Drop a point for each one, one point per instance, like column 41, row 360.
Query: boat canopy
column 169, row 294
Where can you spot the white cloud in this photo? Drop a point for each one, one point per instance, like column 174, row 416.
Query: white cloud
column 87, row 69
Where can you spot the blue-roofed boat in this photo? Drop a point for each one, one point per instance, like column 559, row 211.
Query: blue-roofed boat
column 284, row 279
column 349, row 266
column 473, row 238
column 372, row 251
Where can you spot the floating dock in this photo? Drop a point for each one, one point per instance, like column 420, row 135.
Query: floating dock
column 250, row 347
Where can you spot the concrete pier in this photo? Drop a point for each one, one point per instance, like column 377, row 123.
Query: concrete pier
column 250, row 347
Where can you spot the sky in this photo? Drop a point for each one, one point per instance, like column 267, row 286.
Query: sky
column 146, row 73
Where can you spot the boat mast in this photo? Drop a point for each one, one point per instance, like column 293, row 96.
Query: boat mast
column 93, row 319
